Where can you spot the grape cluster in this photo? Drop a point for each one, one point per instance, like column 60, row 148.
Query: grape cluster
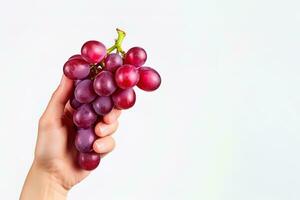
column 103, row 81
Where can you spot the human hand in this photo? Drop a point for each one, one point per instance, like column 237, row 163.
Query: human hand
column 54, row 170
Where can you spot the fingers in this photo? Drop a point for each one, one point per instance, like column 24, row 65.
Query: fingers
column 109, row 124
column 103, row 129
column 104, row 145
column 60, row 97
column 112, row 116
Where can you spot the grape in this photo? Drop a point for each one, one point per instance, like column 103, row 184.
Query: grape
column 104, row 84
column 127, row 76
column 88, row 161
column 93, row 51
column 136, row 56
column 149, row 79
column 74, row 103
column 103, row 105
column 84, row 140
column 84, row 91
column 112, row 62
column 76, row 82
column 84, row 116
column 76, row 69
column 124, row 99
column 76, row 56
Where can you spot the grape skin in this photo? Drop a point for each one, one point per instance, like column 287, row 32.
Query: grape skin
column 74, row 103
column 84, row 140
column 150, row 79
column 124, row 99
column 84, row 91
column 84, row 116
column 103, row 105
column 104, row 83
column 76, row 56
column 136, row 56
column 76, row 82
column 88, row 161
column 112, row 62
column 127, row 76
column 93, row 51
column 76, row 69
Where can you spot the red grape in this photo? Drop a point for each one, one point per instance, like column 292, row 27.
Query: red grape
column 127, row 76
column 84, row 91
column 84, row 140
column 76, row 82
column 93, row 51
column 84, row 116
column 76, row 56
column 136, row 56
column 124, row 99
column 74, row 103
column 88, row 161
column 76, row 69
column 149, row 79
column 112, row 62
column 104, row 83
column 103, row 105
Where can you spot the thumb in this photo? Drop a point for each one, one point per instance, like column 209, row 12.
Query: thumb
column 60, row 97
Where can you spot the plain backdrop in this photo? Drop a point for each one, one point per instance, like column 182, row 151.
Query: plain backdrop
column 224, row 125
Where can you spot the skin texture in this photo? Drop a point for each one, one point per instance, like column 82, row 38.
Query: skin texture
column 54, row 170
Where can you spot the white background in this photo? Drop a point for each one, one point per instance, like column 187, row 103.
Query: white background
column 223, row 126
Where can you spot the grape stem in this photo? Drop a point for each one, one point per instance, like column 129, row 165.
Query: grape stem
column 118, row 43
column 118, row 46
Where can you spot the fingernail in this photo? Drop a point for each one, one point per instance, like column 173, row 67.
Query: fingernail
column 100, row 146
column 102, row 129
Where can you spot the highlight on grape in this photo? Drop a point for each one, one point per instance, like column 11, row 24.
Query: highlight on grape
column 104, row 80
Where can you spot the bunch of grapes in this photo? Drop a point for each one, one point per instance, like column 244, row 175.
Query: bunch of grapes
column 104, row 80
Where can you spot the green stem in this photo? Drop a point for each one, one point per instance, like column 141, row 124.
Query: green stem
column 118, row 43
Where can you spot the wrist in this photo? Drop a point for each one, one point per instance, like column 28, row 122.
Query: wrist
column 40, row 184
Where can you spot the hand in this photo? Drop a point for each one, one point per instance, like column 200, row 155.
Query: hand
column 54, row 170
